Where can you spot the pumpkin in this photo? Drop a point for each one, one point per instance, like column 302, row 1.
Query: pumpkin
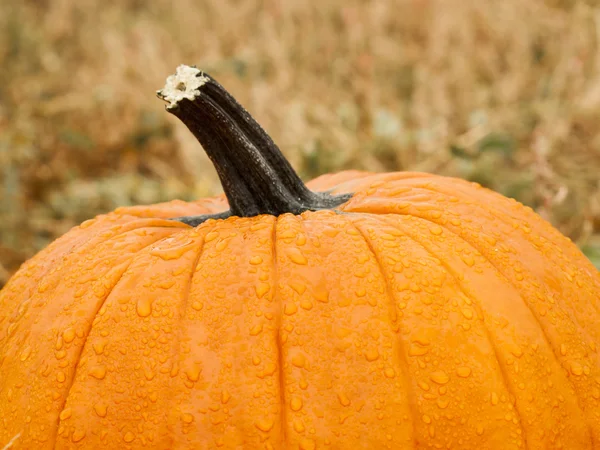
column 362, row 310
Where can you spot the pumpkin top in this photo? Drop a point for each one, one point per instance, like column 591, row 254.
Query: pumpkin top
column 256, row 177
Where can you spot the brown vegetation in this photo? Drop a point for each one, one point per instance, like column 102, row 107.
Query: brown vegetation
column 504, row 92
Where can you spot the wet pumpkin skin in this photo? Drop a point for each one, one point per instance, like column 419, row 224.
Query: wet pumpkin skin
column 424, row 312
column 430, row 312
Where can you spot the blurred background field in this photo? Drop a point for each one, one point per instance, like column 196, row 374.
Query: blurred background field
column 503, row 92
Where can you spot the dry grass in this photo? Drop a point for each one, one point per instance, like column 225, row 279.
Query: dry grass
column 505, row 92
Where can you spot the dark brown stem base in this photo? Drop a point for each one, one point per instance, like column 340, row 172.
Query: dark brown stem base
column 194, row 221
column 256, row 177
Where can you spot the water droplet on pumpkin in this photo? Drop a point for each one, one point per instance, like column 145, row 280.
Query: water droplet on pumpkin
column 197, row 305
column 99, row 347
column 299, row 426
column 463, row 372
column 576, row 368
column 149, row 374
column 454, row 221
column 43, row 287
column 494, row 398
column 467, row 259
column 372, row 355
column 262, row 289
column 443, row 402
column 389, row 372
column 563, row 349
column 296, row 403
column 417, row 350
column 222, row 244
column 211, row 236
column 256, row 329
column 65, row 413
column 344, row 400
column 467, row 312
column 264, row 424
column 299, row 288
column 270, row 368
column 439, row 377
column 78, row 435
column 225, row 396
column 414, row 287
column 101, row 409
column 353, row 232
column 296, row 256
column 25, row 353
column 290, row 309
column 171, row 253
column 179, row 270
column 98, row 372
column 166, row 284
column 306, row 304
column 193, row 373
column 129, row 437
column 45, row 371
column 299, row 360
column 59, row 342
column 345, row 301
column 256, row 260
column 426, row 418
column 187, row 418
column 321, row 296
column 144, row 307
column 516, row 351
column 69, row 335
column 61, row 377
column 436, row 230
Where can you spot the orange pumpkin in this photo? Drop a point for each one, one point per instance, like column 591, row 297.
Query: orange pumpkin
column 398, row 310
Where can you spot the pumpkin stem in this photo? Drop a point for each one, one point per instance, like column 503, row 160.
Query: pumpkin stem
column 256, row 177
